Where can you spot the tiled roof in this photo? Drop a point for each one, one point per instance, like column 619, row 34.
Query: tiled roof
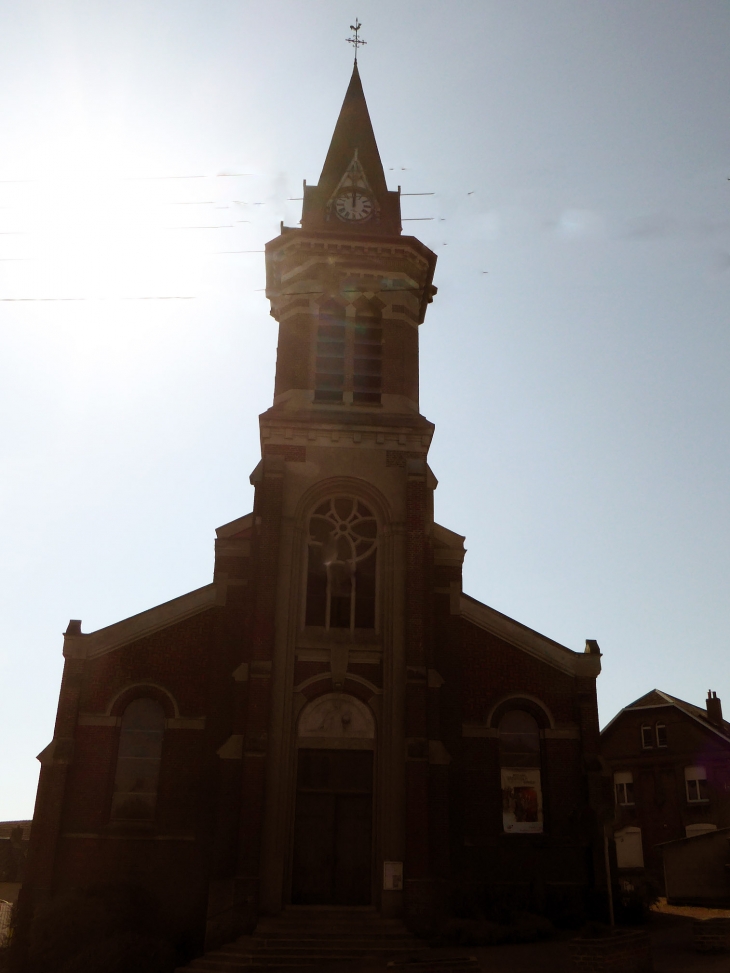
column 657, row 697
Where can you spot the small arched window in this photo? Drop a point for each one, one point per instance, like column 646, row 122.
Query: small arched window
column 138, row 761
column 367, row 358
column 519, row 758
column 341, row 565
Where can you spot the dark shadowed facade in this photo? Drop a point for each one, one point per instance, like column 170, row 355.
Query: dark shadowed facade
column 331, row 720
column 671, row 766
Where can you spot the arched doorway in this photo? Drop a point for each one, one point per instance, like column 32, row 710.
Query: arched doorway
column 333, row 818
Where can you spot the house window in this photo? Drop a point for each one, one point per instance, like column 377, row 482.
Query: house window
column 623, row 783
column 138, row 761
column 519, row 757
column 349, row 355
column 647, row 736
column 341, row 565
column 695, row 779
column 661, row 735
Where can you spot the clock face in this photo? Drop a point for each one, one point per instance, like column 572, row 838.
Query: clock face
column 353, row 206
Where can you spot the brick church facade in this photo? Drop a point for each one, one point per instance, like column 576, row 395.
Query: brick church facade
column 331, row 720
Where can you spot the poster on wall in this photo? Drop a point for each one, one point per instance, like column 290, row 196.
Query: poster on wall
column 521, row 800
column 392, row 876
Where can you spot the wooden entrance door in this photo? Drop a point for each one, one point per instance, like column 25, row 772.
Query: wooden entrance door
column 333, row 828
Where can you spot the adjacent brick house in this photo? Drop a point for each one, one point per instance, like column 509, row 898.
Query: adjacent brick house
column 331, row 720
column 671, row 766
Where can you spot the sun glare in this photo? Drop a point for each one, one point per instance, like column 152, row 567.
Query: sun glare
column 100, row 231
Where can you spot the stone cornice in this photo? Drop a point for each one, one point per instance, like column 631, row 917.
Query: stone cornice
column 448, row 548
column 311, row 247
column 114, row 636
column 537, row 645
column 329, row 418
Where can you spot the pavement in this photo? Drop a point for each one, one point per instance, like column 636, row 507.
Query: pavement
column 671, row 946
column 671, row 942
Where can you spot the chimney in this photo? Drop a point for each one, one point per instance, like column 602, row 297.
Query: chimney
column 714, row 709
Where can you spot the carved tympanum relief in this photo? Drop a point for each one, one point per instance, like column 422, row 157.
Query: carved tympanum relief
column 336, row 716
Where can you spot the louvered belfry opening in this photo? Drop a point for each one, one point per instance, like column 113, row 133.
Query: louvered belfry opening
column 349, row 355
column 367, row 369
column 329, row 382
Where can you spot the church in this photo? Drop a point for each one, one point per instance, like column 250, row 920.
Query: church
column 331, row 721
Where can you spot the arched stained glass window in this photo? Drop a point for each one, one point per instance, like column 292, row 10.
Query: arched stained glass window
column 519, row 739
column 341, row 565
column 519, row 758
column 138, row 761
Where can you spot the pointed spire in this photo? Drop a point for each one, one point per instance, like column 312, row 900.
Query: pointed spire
column 352, row 160
column 353, row 133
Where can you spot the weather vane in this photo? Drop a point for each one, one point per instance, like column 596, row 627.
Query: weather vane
column 356, row 41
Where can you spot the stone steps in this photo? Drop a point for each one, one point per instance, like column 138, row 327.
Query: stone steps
column 307, row 938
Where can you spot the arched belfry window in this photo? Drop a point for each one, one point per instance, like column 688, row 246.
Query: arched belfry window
column 138, row 761
column 341, row 565
column 329, row 378
column 349, row 355
column 367, row 364
column 519, row 758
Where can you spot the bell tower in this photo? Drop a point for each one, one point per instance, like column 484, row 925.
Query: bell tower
column 348, row 290
column 342, row 544
column 331, row 722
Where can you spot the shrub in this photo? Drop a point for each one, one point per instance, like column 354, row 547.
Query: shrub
column 635, row 898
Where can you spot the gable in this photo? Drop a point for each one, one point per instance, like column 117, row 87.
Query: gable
column 528, row 640
column 87, row 646
column 657, row 700
column 240, row 527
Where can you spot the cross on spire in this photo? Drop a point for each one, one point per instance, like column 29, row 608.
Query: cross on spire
column 356, row 41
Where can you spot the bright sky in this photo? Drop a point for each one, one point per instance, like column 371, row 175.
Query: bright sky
column 575, row 361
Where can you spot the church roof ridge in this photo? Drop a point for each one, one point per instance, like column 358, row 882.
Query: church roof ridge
column 83, row 645
column 528, row 639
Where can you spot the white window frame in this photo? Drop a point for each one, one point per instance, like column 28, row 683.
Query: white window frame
column 694, row 830
column 622, row 781
column 647, row 732
column 656, row 731
column 693, row 776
